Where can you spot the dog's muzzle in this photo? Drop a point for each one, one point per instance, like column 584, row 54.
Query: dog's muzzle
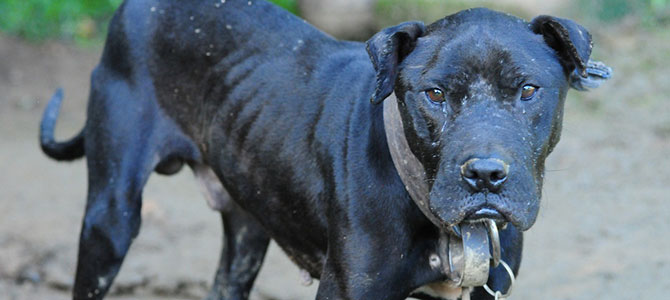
column 466, row 251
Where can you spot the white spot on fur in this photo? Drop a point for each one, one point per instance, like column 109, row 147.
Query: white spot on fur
column 444, row 290
column 102, row 282
column 305, row 278
column 481, row 87
column 299, row 43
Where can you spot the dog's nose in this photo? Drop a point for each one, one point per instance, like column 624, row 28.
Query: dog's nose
column 485, row 173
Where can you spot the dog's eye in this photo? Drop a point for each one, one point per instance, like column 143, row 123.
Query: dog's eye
column 528, row 91
column 435, row 95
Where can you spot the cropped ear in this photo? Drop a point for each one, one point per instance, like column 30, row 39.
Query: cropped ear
column 596, row 73
column 570, row 40
column 387, row 49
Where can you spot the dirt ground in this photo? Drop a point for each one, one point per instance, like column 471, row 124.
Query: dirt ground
column 603, row 230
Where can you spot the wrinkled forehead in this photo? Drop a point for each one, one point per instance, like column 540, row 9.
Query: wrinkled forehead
column 491, row 45
column 479, row 26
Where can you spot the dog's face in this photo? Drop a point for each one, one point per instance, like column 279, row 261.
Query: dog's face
column 480, row 95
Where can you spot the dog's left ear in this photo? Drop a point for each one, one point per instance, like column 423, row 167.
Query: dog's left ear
column 570, row 40
column 387, row 49
column 573, row 45
column 597, row 72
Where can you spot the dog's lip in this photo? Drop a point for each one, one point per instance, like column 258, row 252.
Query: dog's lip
column 502, row 210
column 479, row 215
column 484, row 213
column 475, row 215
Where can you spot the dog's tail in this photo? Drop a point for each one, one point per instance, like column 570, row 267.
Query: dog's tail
column 67, row 150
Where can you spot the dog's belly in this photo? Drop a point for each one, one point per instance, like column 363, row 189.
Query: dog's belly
column 219, row 199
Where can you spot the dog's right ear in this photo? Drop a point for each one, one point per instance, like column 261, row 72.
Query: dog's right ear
column 387, row 48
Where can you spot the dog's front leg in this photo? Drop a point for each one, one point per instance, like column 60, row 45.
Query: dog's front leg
column 361, row 282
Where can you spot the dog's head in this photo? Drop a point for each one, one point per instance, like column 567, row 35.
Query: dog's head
column 480, row 95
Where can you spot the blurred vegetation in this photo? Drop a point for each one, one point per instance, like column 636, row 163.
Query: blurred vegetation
column 391, row 12
column 65, row 19
column 651, row 13
column 648, row 12
column 290, row 5
column 85, row 21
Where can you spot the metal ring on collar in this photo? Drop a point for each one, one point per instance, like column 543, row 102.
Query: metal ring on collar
column 498, row 294
column 494, row 238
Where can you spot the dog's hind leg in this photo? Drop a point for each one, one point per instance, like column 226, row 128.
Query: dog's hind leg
column 127, row 137
column 244, row 242
column 242, row 253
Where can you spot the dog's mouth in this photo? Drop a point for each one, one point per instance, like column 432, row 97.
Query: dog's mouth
column 485, row 214
column 513, row 206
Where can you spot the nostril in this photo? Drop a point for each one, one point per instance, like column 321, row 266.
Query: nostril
column 498, row 175
column 469, row 174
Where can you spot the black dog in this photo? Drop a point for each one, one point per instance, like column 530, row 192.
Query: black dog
column 275, row 119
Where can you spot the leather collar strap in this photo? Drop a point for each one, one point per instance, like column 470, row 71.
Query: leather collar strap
column 410, row 169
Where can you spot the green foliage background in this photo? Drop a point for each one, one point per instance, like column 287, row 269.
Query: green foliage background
column 79, row 20
column 67, row 19
column 86, row 20
column 650, row 12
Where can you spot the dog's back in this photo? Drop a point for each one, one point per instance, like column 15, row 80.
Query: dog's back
column 236, row 65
